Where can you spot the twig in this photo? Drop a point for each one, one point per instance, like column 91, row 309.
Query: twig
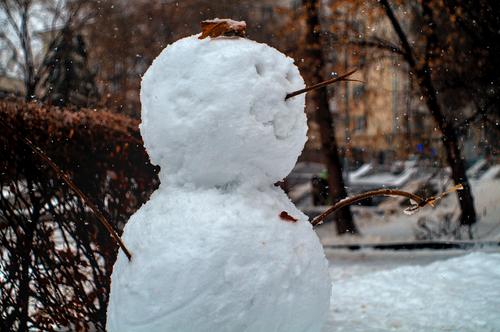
column 324, row 83
column 420, row 202
column 60, row 173
column 375, row 42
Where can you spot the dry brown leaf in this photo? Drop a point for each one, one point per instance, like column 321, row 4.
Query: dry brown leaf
column 222, row 27
column 286, row 217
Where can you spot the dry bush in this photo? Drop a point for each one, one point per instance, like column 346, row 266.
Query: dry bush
column 55, row 258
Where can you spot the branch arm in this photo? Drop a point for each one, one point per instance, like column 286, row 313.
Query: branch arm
column 354, row 199
column 344, row 77
column 420, row 202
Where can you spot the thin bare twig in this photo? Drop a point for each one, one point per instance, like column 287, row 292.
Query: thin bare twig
column 420, row 202
column 324, row 83
column 60, row 173
column 375, row 43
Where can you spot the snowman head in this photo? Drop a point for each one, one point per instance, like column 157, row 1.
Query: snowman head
column 214, row 112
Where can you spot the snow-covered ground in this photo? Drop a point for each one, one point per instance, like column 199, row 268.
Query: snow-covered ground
column 418, row 290
column 414, row 291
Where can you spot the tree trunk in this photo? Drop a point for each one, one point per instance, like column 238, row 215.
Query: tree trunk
column 450, row 142
column 319, row 97
column 29, row 67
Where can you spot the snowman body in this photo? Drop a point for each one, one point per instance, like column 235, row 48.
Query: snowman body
column 210, row 251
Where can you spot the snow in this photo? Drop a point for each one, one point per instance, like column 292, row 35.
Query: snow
column 214, row 112
column 365, row 168
column 212, row 260
column 209, row 249
column 474, row 170
column 235, row 25
column 421, row 290
column 492, row 173
column 458, row 294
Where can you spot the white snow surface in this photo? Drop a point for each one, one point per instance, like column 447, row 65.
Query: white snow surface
column 214, row 260
column 214, row 112
column 458, row 294
column 231, row 23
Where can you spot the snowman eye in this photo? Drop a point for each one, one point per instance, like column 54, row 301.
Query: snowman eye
column 259, row 68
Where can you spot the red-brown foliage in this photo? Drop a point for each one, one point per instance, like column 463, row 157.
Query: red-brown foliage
column 55, row 258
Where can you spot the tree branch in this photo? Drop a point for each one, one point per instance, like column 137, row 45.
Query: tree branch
column 10, row 17
column 323, row 84
column 375, row 43
column 408, row 51
column 420, row 202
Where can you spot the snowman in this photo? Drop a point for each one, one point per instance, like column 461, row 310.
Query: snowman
column 218, row 247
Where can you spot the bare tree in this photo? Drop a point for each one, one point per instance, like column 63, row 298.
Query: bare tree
column 420, row 66
column 449, row 49
column 18, row 35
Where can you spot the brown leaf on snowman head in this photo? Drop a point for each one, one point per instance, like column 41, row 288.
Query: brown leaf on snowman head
column 222, row 27
column 286, row 217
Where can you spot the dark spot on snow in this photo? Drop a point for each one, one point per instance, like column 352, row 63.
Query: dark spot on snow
column 259, row 68
column 252, row 109
column 286, row 217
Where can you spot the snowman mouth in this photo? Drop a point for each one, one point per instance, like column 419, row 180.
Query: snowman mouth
column 276, row 132
column 279, row 133
column 268, row 123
